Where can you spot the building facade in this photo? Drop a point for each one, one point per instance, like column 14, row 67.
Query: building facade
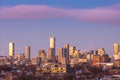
column 71, row 51
column 27, row 52
column 66, row 52
column 11, row 49
column 116, row 48
column 52, row 42
column 101, row 51
column 51, row 50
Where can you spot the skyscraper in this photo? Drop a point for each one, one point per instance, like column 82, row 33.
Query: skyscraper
column 11, row 49
column 52, row 42
column 27, row 52
column 101, row 51
column 71, row 50
column 60, row 52
column 42, row 55
column 116, row 48
column 61, row 58
column 51, row 50
column 51, row 54
column 66, row 52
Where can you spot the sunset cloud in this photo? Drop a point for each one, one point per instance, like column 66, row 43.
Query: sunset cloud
column 110, row 15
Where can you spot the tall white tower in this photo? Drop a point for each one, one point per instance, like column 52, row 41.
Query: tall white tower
column 11, row 49
column 52, row 42
column 51, row 50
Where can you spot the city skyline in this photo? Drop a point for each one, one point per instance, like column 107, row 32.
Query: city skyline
column 85, row 24
column 52, row 42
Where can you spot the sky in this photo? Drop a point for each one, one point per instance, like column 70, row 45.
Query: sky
column 86, row 24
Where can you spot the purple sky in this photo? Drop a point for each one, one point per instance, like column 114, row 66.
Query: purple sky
column 87, row 27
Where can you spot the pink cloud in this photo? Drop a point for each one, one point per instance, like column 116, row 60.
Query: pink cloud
column 110, row 15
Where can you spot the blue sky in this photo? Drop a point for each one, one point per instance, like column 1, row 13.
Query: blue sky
column 84, row 33
column 61, row 3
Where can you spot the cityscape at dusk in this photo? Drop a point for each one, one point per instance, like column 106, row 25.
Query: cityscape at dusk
column 60, row 39
column 84, row 24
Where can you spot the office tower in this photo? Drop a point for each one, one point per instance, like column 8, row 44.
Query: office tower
column 95, row 52
column 89, row 57
column 19, row 57
column 11, row 49
column 96, row 59
column 66, row 52
column 90, row 54
column 61, row 58
column 116, row 48
column 76, row 54
column 101, row 51
column 71, row 50
column 27, row 52
column 60, row 52
column 52, row 42
column 49, row 57
column 51, row 50
column 42, row 55
column 51, row 54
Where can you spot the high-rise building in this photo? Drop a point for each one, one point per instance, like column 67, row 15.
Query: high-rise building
column 11, row 49
column 71, row 50
column 95, row 52
column 116, row 48
column 66, row 52
column 27, row 52
column 52, row 42
column 96, row 59
column 101, row 51
column 42, row 55
column 51, row 54
column 75, row 54
column 60, row 52
column 61, row 58
column 51, row 50
column 21, row 56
